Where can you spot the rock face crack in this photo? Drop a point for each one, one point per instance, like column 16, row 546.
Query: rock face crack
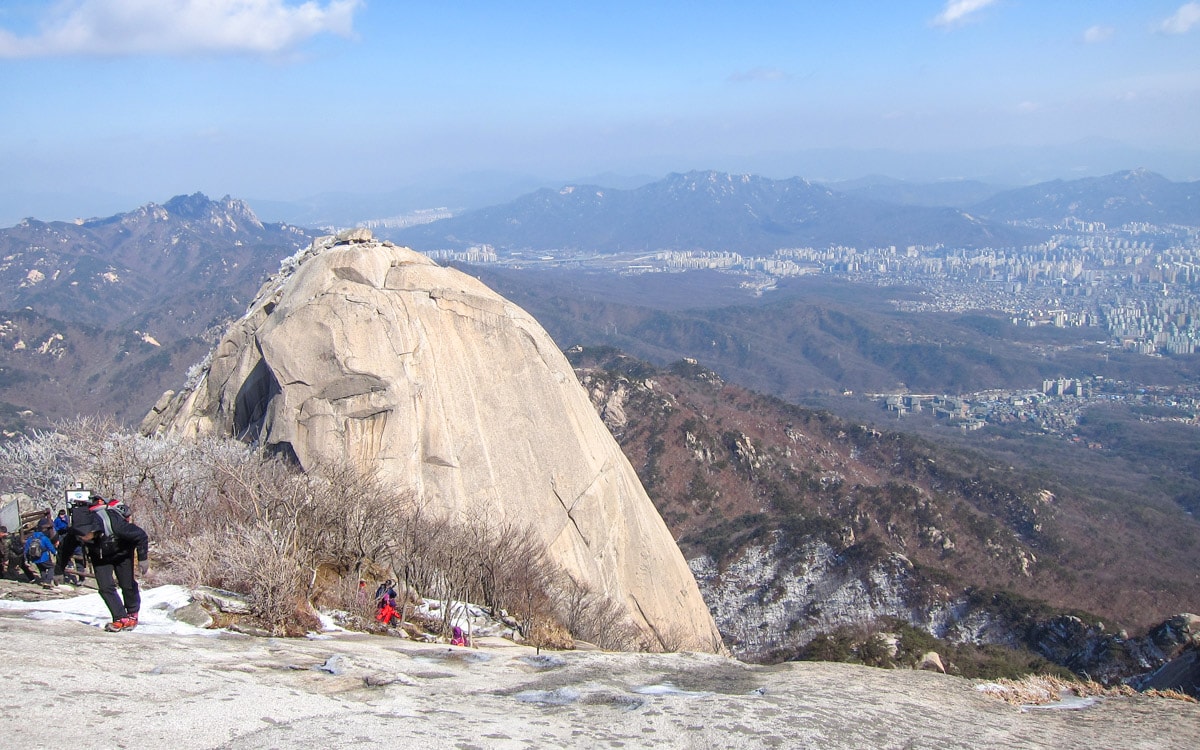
column 448, row 300
column 567, row 508
column 650, row 622
column 351, row 385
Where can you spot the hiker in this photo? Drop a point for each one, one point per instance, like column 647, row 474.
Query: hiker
column 111, row 543
column 459, row 638
column 386, row 592
column 61, row 522
column 120, row 507
column 387, row 613
column 40, row 551
column 45, row 523
column 385, row 603
column 15, row 549
column 3, row 552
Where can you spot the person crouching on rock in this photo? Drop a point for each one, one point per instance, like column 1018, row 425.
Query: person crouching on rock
column 40, row 551
column 385, row 603
column 110, row 542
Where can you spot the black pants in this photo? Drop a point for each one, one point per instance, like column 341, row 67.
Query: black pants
column 129, row 601
column 45, row 572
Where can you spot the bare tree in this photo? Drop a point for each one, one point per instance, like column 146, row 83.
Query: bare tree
column 225, row 514
column 592, row 616
column 39, row 466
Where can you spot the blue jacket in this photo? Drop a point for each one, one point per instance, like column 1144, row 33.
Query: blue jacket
column 47, row 547
column 61, row 524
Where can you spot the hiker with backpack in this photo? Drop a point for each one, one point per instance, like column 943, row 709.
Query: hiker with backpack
column 385, row 603
column 111, row 543
column 40, row 551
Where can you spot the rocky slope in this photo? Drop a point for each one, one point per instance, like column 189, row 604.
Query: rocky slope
column 798, row 524
column 199, row 692
column 365, row 350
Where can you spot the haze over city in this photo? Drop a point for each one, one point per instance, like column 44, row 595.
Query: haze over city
column 112, row 103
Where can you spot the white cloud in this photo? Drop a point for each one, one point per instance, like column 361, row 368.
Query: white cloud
column 1097, row 34
column 759, row 74
column 179, row 27
column 958, row 12
column 1183, row 20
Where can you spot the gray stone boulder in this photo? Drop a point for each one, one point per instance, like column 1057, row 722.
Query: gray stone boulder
column 193, row 614
column 374, row 352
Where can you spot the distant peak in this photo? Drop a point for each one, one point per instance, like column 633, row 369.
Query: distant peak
column 194, row 206
column 1141, row 173
column 197, row 206
column 710, row 175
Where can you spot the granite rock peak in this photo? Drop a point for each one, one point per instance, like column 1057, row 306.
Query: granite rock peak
column 360, row 348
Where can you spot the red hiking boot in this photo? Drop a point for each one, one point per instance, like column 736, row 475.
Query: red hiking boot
column 128, row 622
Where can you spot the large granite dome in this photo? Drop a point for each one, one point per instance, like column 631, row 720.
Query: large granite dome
column 373, row 351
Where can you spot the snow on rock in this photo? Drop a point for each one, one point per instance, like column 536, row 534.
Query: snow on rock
column 158, row 605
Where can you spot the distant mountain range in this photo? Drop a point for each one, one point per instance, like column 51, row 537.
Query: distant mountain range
column 703, row 211
column 1116, row 199
column 96, row 315
column 714, row 211
column 101, row 314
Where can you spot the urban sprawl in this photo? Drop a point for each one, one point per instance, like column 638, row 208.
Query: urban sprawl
column 1138, row 284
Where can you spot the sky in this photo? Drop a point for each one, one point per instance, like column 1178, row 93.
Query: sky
column 116, row 103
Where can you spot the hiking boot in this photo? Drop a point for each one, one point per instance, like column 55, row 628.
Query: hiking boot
column 128, row 622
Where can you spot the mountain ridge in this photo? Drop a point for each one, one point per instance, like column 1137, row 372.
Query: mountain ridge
column 701, row 210
column 1135, row 195
column 716, row 211
column 128, row 298
column 799, row 523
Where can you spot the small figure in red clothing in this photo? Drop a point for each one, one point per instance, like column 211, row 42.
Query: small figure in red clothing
column 387, row 614
column 385, row 602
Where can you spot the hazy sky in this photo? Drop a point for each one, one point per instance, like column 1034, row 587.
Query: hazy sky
column 144, row 99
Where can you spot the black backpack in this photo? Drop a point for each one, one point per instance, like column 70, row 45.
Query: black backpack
column 34, row 551
column 101, row 521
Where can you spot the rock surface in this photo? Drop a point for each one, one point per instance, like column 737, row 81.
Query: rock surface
column 776, row 596
column 372, row 351
column 231, row 691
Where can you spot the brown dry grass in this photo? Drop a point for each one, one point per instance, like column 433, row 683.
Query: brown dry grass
column 1039, row 690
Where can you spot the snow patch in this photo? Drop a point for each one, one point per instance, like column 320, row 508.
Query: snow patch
column 155, row 616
